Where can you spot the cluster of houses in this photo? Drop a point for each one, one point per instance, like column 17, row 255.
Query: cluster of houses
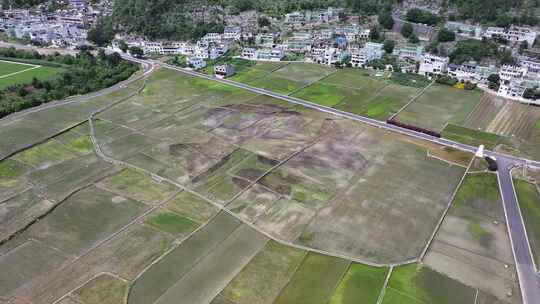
column 323, row 37
column 513, row 34
column 209, row 47
column 66, row 27
column 514, row 79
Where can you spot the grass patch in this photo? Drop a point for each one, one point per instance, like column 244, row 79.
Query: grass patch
column 103, row 289
column 41, row 73
column 12, row 67
column 138, row 186
column 172, row 223
column 321, row 93
column 45, row 155
column 314, row 281
column 529, row 202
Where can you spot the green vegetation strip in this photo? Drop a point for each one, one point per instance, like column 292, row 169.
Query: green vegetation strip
column 529, row 202
column 471, row 137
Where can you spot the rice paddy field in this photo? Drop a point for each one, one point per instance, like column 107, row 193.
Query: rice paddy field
column 472, row 245
column 470, row 117
column 198, row 191
column 12, row 73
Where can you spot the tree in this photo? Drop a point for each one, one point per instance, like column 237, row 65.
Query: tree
column 420, row 16
column 374, row 34
column 136, row 51
column 388, row 46
column 523, row 46
column 506, row 57
column 102, row 33
column 386, row 20
column 446, row 35
column 263, row 21
column 494, row 81
column 407, row 30
column 413, row 39
column 122, row 45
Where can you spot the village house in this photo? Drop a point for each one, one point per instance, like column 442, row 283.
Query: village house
column 371, row 51
column 465, row 30
column 265, row 39
column 410, row 52
column 232, row 33
column 274, row 54
column 511, row 81
column 223, row 70
column 433, row 65
column 196, row 63
column 512, row 34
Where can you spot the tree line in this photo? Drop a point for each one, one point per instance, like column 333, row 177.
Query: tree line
column 81, row 74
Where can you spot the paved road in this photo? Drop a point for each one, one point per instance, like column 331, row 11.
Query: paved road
column 528, row 278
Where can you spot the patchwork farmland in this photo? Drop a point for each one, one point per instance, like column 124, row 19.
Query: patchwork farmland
column 470, row 117
column 189, row 189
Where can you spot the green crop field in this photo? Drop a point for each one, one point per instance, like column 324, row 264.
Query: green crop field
column 314, row 281
column 440, row 105
column 419, row 284
column 12, row 73
column 361, row 284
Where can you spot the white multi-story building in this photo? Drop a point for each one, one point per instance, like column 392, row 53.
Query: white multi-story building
column 513, row 34
column 274, row 54
column 265, row 39
column 294, row 17
column 212, row 37
column 329, row 56
column 512, row 72
column 371, row 51
column 433, row 64
column 518, row 34
column 410, row 52
column 532, row 65
column 512, row 80
column 232, row 32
